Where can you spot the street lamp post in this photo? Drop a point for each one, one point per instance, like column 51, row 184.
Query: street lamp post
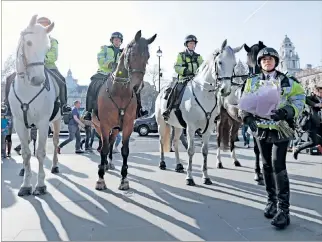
column 159, row 54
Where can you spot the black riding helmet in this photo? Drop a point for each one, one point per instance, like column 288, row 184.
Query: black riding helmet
column 268, row 51
column 116, row 35
column 190, row 38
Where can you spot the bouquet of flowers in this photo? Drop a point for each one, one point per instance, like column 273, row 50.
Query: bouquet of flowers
column 263, row 100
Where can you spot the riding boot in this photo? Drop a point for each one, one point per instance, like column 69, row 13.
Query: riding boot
column 140, row 112
column 271, row 206
column 282, row 218
column 173, row 94
column 9, row 144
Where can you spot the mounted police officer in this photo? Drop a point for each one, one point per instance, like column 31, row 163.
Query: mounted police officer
column 270, row 136
column 107, row 59
column 50, row 59
column 186, row 66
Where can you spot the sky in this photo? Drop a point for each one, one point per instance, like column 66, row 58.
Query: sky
column 82, row 27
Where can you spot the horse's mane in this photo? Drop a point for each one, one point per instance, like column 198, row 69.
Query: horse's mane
column 206, row 65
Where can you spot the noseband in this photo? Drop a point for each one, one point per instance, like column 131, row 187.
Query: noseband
column 23, row 55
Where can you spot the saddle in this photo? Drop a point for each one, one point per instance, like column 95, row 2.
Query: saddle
column 174, row 94
column 97, row 81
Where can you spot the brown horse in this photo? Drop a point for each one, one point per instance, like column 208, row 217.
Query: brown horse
column 117, row 105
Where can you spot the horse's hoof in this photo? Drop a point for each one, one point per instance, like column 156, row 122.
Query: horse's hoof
column 110, row 166
column 220, row 166
column 40, row 191
column 24, row 191
column 100, row 185
column 162, row 165
column 124, row 185
column 237, row 163
column 207, row 181
column 55, row 170
column 179, row 168
column 190, row 182
column 22, row 172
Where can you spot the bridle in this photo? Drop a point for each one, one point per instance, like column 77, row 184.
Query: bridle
column 127, row 66
column 26, row 65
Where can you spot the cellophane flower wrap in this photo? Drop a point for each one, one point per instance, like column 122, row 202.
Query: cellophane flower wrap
column 263, row 100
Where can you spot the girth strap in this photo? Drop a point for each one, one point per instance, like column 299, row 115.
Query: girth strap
column 207, row 114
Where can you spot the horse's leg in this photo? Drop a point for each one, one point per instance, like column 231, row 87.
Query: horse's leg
column 41, row 154
column 191, row 152
column 233, row 135
column 23, row 135
column 164, row 139
column 127, row 131
column 105, row 135
column 177, row 134
column 204, row 149
column 258, row 174
column 219, row 134
column 110, row 165
column 56, row 132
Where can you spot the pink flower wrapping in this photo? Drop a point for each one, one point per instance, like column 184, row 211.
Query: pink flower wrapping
column 263, row 101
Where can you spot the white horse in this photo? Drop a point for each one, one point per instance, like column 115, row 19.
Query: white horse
column 198, row 108
column 32, row 98
column 229, row 123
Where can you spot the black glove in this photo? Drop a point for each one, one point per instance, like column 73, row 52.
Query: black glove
column 187, row 72
column 250, row 121
column 279, row 114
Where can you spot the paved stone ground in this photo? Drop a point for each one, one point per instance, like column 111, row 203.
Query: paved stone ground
column 159, row 206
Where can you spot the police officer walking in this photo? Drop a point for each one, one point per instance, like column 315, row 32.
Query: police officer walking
column 272, row 142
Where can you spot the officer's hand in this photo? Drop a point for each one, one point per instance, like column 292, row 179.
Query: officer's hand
column 250, row 121
column 279, row 114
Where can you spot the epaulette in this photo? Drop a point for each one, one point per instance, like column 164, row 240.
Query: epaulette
column 293, row 78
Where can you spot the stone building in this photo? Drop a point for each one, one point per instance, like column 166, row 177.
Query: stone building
column 289, row 59
column 310, row 77
column 74, row 90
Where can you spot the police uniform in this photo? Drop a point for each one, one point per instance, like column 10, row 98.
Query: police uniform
column 186, row 66
column 50, row 60
column 272, row 142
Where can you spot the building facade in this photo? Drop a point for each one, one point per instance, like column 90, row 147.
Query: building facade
column 310, row 77
column 74, row 90
column 289, row 59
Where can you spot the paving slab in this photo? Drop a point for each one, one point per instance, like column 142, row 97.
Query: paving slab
column 158, row 206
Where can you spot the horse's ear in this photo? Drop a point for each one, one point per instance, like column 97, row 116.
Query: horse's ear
column 237, row 49
column 50, row 27
column 246, row 47
column 151, row 39
column 33, row 20
column 223, row 44
column 137, row 36
column 261, row 44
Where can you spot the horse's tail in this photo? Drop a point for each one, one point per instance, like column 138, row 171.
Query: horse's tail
column 166, row 138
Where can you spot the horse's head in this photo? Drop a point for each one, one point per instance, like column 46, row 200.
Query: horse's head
column 252, row 53
column 224, row 61
column 135, row 58
column 33, row 46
